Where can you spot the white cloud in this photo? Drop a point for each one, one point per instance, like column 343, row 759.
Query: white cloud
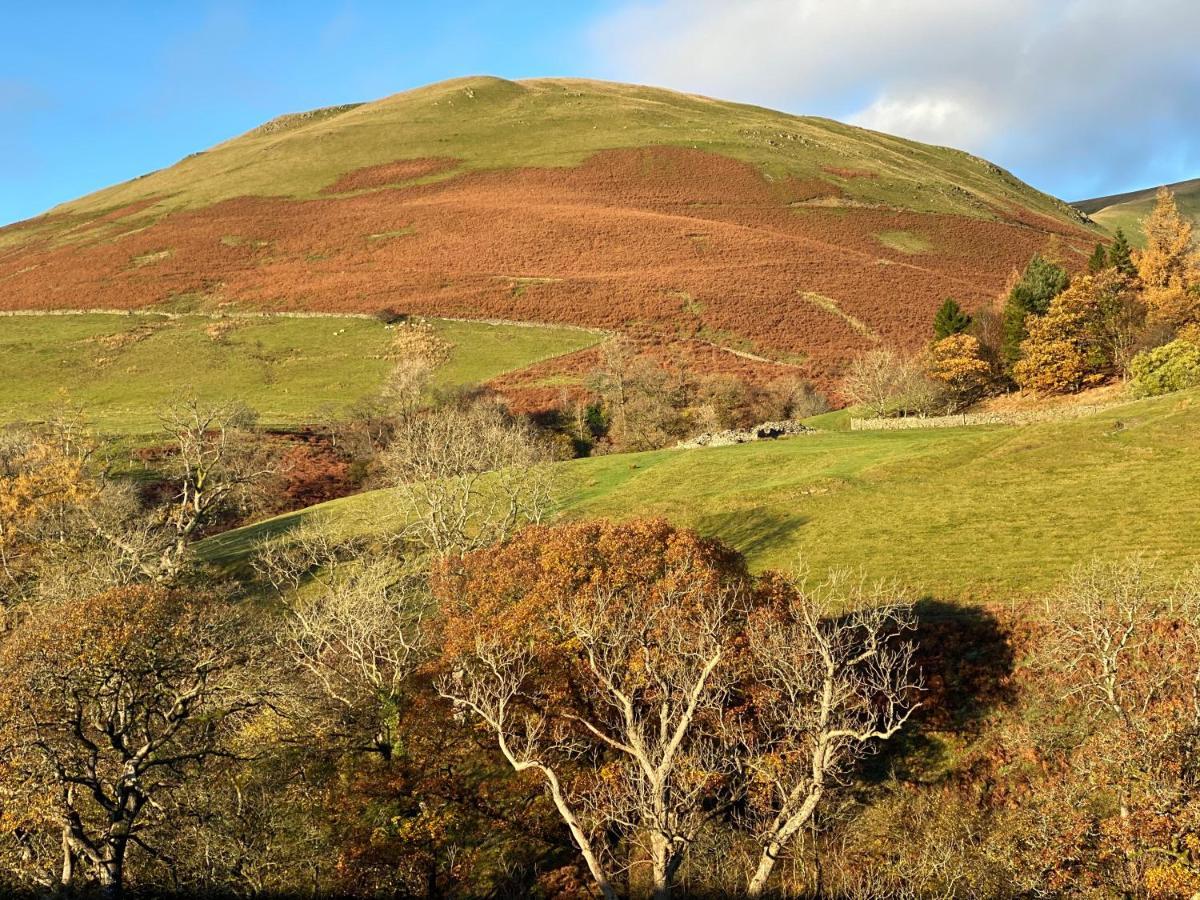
column 954, row 121
column 1075, row 95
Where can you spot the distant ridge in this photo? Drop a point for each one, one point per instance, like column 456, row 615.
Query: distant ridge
column 1126, row 210
column 1098, row 203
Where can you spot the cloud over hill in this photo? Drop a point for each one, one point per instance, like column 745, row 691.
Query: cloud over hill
column 1073, row 96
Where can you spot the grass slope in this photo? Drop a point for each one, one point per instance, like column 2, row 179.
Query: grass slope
column 488, row 123
column 1126, row 211
column 971, row 512
column 123, row 368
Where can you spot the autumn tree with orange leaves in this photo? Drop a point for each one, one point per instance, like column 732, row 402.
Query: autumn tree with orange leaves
column 1169, row 266
column 617, row 662
column 108, row 704
column 41, row 477
column 957, row 363
column 602, row 658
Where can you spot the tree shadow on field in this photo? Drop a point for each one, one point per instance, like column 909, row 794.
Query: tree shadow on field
column 966, row 657
column 754, row 532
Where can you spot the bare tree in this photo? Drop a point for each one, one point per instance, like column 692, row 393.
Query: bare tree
column 1123, row 650
column 288, row 560
column 655, row 671
column 468, row 476
column 1099, row 619
column 886, row 383
column 357, row 631
column 418, row 352
column 213, row 466
column 840, row 680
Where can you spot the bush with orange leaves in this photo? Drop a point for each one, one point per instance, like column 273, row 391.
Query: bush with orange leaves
column 629, row 667
column 957, row 363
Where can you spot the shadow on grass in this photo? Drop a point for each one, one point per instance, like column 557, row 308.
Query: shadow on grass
column 754, row 532
column 231, row 548
column 966, row 657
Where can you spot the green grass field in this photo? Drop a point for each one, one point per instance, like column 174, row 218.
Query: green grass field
column 971, row 513
column 123, row 368
column 487, row 123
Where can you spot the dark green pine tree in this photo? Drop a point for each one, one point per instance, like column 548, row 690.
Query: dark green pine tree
column 1098, row 261
column 1120, row 257
column 1040, row 283
column 950, row 319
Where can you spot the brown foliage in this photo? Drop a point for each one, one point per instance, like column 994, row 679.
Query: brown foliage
column 687, row 243
column 107, row 704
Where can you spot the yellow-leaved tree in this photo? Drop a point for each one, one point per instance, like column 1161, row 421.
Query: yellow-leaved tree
column 957, row 363
column 1169, row 267
column 38, row 479
column 1087, row 335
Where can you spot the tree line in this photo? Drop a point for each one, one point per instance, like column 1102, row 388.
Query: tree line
column 463, row 698
column 1128, row 315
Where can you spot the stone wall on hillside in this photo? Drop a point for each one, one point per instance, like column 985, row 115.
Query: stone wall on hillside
column 1018, row 417
column 765, row 431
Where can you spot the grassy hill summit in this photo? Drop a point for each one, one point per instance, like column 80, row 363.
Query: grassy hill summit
column 491, row 123
column 1126, row 211
column 795, row 240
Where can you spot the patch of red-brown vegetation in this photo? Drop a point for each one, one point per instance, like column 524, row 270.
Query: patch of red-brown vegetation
column 129, row 209
column 682, row 243
column 848, row 173
column 310, row 471
column 389, row 174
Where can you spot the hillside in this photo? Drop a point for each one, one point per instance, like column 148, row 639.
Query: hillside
column 1126, row 211
column 968, row 512
column 800, row 240
column 123, row 370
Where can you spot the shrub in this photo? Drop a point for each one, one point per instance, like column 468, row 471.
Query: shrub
column 1171, row 367
column 957, row 363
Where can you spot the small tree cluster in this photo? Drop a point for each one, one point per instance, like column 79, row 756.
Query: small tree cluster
column 886, row 383
column 1038, row 285
column 1088, row 334
column 646, row 402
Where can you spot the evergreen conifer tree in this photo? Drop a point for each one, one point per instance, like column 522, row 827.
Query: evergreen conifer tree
column 1040, row 283
column 1120, row 257
column 950, row 319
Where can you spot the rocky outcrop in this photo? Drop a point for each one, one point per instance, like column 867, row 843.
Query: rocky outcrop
column 764, row 432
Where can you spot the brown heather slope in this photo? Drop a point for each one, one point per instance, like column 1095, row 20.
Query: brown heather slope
column 689, row 245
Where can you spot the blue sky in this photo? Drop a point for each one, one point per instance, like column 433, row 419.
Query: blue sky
column 1080, row 97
